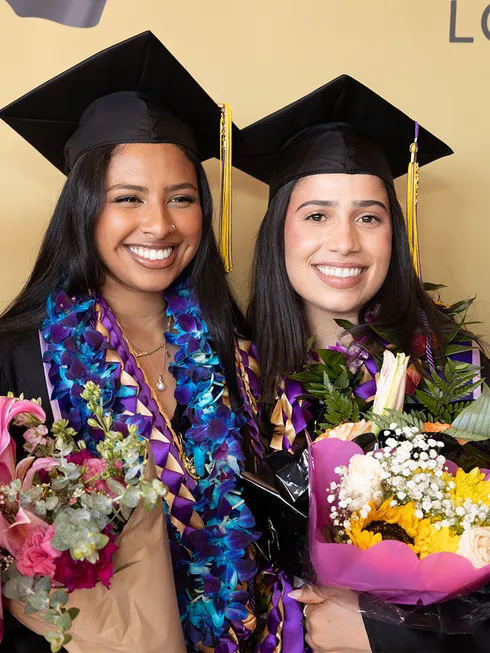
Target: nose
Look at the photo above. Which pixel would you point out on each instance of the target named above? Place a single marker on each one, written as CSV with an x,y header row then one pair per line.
x,y
343,238
157,220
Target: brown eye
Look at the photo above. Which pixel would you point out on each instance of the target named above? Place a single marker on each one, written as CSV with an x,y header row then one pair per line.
x,y
369,219
315,217
183,199
127,199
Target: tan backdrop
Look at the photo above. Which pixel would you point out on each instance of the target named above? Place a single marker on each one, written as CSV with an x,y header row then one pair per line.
x,y
259,55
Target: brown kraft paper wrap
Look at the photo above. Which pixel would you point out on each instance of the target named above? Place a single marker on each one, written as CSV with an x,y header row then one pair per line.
x,y
139,612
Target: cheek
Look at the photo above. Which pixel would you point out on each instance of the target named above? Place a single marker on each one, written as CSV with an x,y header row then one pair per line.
x,y
299,245
111,229
380,250
190,226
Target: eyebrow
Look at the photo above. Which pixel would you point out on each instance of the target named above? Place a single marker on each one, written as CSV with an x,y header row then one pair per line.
x,y
362,204
143,189
327,203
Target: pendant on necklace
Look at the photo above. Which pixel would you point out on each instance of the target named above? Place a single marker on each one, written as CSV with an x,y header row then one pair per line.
x,y
160,385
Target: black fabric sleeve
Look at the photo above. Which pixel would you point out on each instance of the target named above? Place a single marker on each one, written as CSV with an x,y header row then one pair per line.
x,y
21,371
388,638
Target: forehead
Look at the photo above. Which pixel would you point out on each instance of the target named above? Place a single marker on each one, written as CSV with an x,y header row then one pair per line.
x,y
341,187
151,160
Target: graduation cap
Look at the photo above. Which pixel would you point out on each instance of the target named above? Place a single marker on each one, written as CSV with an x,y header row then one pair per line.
x,y
133,92
342,127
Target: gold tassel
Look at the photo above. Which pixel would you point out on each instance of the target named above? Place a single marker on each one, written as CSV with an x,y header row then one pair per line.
x,y
412,196
225,245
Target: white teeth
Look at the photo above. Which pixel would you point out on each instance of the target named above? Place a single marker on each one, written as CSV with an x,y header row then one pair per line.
x,y
341,273
152,254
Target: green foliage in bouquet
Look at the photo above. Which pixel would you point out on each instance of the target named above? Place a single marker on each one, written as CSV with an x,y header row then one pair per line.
x,y
441,395
330,380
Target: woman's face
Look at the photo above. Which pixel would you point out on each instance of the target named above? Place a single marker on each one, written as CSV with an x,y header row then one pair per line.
x,y
151,225
338,241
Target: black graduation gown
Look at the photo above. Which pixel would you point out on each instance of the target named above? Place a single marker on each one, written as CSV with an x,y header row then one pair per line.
x,y
22,370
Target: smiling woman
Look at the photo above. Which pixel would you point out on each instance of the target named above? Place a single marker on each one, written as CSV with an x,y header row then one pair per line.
x,y
129,291
334,287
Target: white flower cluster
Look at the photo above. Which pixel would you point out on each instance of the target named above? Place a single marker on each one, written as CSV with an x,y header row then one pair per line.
x,y
411,469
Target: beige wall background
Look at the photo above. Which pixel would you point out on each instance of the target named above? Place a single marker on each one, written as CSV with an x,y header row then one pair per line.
x,y
259,55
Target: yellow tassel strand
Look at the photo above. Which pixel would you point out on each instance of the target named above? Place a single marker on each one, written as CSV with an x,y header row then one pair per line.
x,y
412,196
225,245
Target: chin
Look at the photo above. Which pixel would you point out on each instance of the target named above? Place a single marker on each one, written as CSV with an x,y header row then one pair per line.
x,y
157,285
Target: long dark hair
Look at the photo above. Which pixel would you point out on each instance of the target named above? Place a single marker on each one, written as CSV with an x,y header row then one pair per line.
x,y
68,255
277,317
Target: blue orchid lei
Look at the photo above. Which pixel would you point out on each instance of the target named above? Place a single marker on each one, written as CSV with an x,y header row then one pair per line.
x,y
212,565
214,441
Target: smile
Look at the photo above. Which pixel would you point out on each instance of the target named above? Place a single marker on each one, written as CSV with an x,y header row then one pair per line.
x,y
153,258
150,253
341,273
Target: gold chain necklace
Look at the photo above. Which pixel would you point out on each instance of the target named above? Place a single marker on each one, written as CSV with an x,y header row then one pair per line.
x,y
187,461
159,385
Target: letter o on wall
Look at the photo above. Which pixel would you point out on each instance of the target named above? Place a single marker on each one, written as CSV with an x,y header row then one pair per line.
x,y
484,22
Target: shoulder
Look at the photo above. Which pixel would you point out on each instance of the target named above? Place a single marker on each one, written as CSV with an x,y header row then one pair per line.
x,y
21,366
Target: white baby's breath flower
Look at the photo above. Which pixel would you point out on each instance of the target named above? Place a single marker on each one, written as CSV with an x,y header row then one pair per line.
x,y
362,481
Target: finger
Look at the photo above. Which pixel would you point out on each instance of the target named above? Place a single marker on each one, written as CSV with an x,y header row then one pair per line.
x,y
306,595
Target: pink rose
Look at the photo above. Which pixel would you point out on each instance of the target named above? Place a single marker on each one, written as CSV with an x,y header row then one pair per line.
x,y
37,556
81,574
95,467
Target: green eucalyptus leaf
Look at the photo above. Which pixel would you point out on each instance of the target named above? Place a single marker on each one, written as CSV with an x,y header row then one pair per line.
x,y
56,639
64,622
115,486
43,584
19,588
131,497
126,512
73,612
58,543
40,508
473,423
52,502
50,616
59,484
60,597
39,600
131,473
30,609
102,503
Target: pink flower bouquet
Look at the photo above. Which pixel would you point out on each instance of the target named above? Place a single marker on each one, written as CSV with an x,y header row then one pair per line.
x,y
403,545
80,543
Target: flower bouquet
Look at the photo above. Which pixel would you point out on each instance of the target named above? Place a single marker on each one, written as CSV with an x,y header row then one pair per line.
x,y
404,516
85,553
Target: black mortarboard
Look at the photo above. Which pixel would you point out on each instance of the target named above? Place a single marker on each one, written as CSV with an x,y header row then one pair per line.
x,y
133,92
342,127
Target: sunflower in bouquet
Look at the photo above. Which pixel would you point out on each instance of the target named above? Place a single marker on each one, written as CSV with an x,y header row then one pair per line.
x,y
400,504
